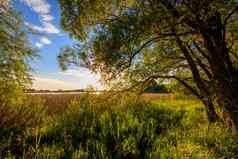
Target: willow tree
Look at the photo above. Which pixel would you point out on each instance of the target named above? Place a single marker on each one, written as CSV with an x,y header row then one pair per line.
x,y
15,53
116,35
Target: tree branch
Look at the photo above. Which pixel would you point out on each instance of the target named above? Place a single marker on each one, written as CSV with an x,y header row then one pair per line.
x,y
156,76
196,75
226,21
229,15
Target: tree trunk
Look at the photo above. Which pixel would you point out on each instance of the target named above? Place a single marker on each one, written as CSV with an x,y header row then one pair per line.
x,y
225,115
222,67
210,110
206,97
229,94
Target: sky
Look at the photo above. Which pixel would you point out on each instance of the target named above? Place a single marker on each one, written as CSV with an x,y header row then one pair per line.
x,y
43,16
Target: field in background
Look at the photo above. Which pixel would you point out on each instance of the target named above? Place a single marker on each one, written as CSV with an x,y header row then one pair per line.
x,y
57,102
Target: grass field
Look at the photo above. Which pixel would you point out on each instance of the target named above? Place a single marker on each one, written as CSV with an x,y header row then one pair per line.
x,y
119,126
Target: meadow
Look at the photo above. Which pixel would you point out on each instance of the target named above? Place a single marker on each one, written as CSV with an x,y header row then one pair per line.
x,y
106,126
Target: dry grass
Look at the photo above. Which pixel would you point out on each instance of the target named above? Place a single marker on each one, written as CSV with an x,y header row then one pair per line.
x,y
158,96
55,103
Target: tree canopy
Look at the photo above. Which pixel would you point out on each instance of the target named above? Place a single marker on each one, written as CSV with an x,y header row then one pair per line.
x,y
193,42
15,53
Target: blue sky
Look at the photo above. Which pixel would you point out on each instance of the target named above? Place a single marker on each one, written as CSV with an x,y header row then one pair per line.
x,y
43,16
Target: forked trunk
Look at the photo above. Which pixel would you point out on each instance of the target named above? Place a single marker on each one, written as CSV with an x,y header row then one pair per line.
x,y
223,70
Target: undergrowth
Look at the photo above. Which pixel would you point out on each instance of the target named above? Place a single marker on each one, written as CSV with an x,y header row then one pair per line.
x,y
122,126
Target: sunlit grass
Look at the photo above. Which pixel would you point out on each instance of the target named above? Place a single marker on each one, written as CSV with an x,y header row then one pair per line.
x,y
123,126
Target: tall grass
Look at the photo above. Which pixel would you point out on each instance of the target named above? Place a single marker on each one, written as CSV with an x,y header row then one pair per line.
x,y
123,126
15,121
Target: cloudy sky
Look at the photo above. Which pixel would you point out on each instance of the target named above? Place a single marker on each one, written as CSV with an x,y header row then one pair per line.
x,y
44,17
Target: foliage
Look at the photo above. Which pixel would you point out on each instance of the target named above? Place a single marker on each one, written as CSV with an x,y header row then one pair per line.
x,y
137,39
135,42
15,53
16,114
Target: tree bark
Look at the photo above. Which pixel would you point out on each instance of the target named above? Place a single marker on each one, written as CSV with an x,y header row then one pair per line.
x,y
210,110
225,115
205,94
224,72
229,94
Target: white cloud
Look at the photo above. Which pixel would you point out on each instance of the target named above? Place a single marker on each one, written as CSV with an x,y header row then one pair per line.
x,y
51,84
50,28
39,6
39,45
44,40
46,17
42,8
83,76
82,73
69,80
45,28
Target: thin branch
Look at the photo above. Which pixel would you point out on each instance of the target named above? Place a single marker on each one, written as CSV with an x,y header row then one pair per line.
x,y
182,81
201,64
143,46
176,34
226,21
230,14
195,72
201,51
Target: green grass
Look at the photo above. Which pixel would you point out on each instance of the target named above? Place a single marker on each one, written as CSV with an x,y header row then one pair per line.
x,y
123,126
